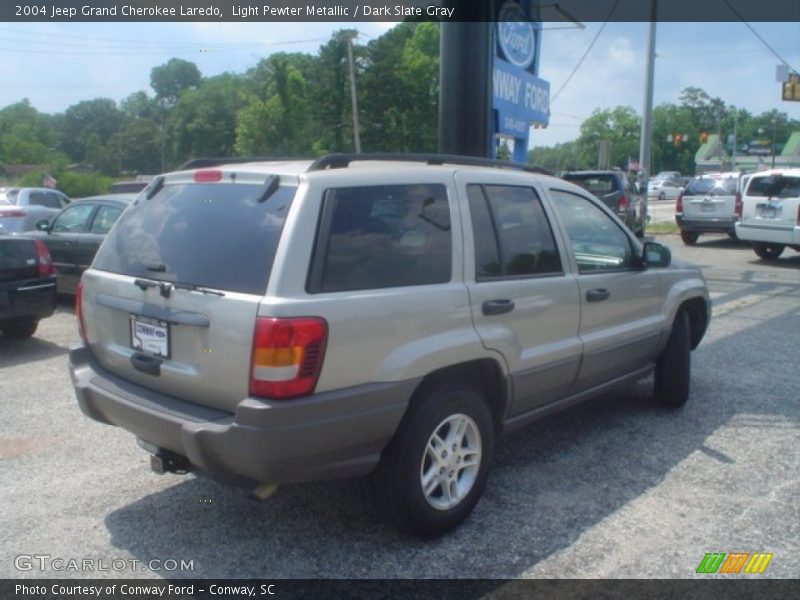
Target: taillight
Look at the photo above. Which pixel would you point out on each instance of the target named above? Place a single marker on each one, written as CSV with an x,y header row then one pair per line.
x,y
679,203
798,215
44,264
207,175
622,204
12,213
287,356
79,310
737,206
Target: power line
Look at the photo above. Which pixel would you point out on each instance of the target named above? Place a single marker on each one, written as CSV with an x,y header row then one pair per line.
x,y
755,33
580,62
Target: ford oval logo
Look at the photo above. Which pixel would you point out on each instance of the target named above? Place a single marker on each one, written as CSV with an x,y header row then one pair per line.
x,y
516,35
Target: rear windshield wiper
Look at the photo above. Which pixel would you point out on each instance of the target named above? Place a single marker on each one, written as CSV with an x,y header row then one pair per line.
x,y
197,288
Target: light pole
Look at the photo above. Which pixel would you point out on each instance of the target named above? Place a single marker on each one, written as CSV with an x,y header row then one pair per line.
x,y
774,125
353,100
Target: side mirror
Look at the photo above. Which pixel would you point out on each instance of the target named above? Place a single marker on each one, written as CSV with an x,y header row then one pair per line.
x,y
43,225
656,255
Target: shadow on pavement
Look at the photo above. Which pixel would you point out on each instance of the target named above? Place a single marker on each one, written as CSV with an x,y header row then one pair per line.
x,y
550,484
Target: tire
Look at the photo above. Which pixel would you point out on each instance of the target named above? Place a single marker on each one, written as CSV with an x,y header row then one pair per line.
x,y
689,237
768,251
456,478
733,236
21,330
673,367
662,196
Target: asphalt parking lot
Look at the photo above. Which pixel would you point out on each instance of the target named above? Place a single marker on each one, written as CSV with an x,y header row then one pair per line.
x,y
611,489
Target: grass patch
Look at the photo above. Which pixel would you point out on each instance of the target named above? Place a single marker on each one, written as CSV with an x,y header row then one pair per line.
x,y
662,228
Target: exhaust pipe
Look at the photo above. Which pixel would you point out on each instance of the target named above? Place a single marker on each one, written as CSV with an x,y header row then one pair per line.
x,y
263,491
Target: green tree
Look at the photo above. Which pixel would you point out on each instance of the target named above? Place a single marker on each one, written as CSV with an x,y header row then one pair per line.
x,y
620,125
135,149
87,126
172,78
277,120
203,122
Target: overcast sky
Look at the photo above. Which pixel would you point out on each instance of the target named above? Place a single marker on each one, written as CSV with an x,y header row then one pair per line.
x,y
55,65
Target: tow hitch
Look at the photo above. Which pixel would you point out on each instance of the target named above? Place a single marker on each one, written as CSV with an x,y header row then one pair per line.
x,y
163,461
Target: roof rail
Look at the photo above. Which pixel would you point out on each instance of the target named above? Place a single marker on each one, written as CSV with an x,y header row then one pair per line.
x,y
341,161
204,163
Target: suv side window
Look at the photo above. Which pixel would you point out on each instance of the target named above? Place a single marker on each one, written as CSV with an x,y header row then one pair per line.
x,y
511,231
598,242
73,219
46,199
382,236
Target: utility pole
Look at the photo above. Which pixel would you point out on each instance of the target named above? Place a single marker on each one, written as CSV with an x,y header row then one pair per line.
x,y
647,117
735,125
774,125
354,101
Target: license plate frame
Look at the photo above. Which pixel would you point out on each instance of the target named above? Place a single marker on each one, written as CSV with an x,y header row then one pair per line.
x,y
150,335
768,212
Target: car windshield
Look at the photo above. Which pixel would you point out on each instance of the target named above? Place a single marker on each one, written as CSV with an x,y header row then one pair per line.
x,y
11,196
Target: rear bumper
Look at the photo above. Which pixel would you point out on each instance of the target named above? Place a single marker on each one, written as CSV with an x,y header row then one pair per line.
x,y
710,225
32,299
327,435
754,232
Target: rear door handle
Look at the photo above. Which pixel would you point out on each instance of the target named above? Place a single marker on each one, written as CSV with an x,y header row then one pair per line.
x,y
497,307
597,295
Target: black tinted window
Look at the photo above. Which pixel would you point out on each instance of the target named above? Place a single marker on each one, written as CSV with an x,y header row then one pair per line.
x,y
213,235
512,234
599,185
383,236
46,199
711,187
778,186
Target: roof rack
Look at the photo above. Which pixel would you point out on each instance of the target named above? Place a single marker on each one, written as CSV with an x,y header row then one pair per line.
x,y
342,161
204,163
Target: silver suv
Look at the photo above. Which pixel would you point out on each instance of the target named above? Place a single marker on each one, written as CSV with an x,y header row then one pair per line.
x,y
276,322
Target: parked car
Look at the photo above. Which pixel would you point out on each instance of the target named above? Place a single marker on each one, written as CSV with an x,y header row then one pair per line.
x,y
128,187
27,284
76,233
668,175
710,203
617,193
771,212
664,189
357,313
25,206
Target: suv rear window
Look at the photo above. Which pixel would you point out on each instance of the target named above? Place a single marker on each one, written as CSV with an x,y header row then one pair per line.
x,y
172,236
708,186
778,186
599,185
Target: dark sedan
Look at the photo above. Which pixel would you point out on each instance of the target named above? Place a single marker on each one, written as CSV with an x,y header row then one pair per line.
x,y
74,235
27,284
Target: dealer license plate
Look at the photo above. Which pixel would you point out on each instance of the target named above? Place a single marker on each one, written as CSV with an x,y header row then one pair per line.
x,y
150,335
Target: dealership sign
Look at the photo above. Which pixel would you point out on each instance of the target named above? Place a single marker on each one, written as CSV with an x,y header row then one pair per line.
x,y
519,97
